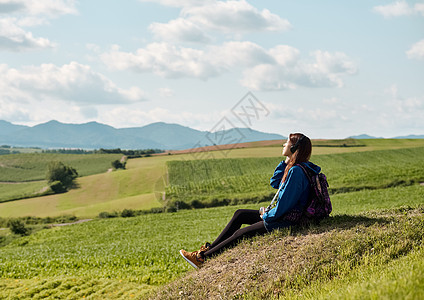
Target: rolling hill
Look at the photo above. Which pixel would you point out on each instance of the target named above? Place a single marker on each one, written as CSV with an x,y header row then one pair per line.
x,y
93,135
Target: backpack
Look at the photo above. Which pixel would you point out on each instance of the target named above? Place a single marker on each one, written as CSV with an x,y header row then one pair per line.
x,y
319,204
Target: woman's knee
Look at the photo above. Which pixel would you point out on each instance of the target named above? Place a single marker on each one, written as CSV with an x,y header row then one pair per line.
x,y
238,212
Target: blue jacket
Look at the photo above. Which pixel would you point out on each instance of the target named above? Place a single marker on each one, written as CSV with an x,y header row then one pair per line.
x,y
293,194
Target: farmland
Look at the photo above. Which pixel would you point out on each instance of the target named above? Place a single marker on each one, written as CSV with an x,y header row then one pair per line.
x,y
23,175
33,166
371,246
142,185
247,178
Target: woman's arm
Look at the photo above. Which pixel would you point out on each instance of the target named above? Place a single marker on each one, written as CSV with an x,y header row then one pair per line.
x,y
278,175
290,194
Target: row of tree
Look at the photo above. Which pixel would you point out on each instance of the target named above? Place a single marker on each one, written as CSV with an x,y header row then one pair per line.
x,y
130,153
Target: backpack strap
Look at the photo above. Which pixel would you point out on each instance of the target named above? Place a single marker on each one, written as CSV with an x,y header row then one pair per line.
x,y
306,172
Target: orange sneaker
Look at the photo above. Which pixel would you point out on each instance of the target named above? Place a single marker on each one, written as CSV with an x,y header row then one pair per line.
x,y
195,259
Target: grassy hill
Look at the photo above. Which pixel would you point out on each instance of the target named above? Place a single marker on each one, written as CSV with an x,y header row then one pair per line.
x,y
198,183
23,175
142,185
117,258
371,246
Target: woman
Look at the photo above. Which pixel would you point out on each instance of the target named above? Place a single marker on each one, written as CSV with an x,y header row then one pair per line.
x,y
291,199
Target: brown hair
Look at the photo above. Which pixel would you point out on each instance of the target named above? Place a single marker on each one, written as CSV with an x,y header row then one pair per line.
x,y
302,154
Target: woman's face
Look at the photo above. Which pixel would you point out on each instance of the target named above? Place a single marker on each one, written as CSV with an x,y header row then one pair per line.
x,y
286,149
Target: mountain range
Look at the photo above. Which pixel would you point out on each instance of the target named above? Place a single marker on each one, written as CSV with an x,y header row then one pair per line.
x,y
93,135
366,136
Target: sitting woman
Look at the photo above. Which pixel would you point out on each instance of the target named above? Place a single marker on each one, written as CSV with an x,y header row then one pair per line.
x,y
291,198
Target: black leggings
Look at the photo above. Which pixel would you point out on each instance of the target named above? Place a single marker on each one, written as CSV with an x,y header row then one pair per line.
x,y
233,232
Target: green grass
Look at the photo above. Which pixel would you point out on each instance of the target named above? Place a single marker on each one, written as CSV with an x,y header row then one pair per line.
x,y
368,200
148,178
133,255
402,278
33,166
371,247
23,175
295,264
248,178
13,191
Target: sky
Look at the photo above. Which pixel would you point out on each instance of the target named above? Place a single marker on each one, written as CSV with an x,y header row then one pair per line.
x,y
328,69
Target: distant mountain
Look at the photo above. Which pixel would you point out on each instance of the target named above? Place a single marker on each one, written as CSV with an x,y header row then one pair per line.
x,y
93,135
411,136
9,127
366,136
363,137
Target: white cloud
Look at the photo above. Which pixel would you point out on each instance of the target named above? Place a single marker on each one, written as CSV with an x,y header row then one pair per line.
x,y
398,9
163,59
180,30
198,20
233,16
336,63
416,51
13,111
24,13
50,8
419,8
326,70
285,55
278,68
172,61
238,54
73,82
179,3
12,37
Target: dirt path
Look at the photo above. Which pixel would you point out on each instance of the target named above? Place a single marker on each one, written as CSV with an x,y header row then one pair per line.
x,y
64,224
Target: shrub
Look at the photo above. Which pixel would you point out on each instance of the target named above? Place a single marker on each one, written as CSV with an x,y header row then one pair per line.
x,y
18,227
106,215
57,173
126,213
57,187
116,164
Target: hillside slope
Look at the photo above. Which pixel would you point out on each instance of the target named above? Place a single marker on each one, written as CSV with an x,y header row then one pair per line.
x,y
318,262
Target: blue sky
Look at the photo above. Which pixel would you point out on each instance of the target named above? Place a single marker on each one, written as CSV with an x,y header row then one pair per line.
x,y
329,69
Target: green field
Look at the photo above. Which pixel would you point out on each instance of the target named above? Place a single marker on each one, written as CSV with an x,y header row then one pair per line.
x,y
216,180
33,166
142,185
117,258
370,248
23,175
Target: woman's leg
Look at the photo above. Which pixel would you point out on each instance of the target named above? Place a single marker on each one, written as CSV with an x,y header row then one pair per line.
x,y
248,231
232,232
240,217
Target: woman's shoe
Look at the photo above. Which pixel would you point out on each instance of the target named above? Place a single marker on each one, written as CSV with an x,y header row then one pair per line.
x,y
196,258
193,258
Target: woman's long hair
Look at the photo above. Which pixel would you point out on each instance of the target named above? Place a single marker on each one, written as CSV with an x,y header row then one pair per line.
x,y
302,154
